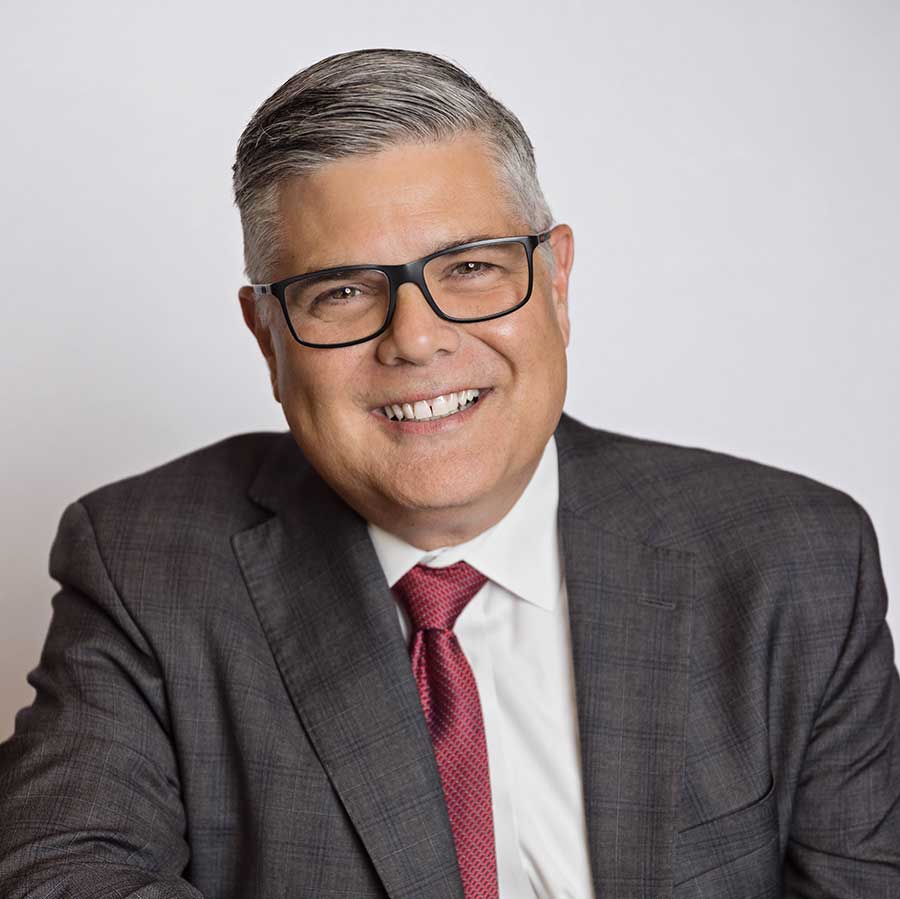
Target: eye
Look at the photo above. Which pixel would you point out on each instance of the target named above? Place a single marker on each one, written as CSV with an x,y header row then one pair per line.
x,y
347,292
470,267
338,295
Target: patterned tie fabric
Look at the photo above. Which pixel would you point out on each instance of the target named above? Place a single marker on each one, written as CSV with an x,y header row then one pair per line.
x,y
434,598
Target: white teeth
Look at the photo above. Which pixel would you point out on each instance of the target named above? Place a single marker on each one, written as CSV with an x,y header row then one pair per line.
x,y
438,407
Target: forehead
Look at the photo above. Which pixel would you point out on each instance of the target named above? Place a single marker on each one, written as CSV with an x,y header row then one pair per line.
x,y
394,206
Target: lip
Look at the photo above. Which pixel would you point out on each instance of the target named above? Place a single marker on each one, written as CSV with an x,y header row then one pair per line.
x,y
433,425
427,396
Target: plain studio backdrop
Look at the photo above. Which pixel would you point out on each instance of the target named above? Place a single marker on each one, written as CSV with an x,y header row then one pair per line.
x,y
730,171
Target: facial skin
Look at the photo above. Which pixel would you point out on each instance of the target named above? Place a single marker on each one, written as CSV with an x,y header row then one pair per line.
x,y
430,489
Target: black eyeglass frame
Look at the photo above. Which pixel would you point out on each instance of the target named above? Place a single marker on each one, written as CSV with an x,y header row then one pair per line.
x,y
410,273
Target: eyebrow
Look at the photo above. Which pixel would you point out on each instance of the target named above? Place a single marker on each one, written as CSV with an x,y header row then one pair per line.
x,y
459,241
439,247
333,274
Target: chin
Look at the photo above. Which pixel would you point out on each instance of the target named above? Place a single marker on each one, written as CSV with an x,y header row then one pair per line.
x,y
461,486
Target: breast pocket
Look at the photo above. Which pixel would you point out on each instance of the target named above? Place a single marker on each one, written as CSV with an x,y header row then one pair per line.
x,y
736,854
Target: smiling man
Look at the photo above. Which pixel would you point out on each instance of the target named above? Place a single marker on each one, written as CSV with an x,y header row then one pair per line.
x,y
440,639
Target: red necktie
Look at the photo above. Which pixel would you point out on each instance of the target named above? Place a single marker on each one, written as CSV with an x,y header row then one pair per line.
x,y
434,598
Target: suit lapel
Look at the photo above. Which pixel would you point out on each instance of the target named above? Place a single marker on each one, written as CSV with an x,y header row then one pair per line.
x,y
630,609
327,612
323,601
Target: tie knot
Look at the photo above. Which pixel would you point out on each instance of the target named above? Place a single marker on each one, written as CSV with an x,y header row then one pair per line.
x,y
434,597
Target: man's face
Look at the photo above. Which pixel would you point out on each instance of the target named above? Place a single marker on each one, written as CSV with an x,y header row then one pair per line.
x,y
446,480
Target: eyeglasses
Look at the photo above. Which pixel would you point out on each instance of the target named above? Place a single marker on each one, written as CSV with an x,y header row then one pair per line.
x,y
472,282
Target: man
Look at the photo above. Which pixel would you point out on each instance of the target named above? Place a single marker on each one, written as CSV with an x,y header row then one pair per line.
x,y
441,639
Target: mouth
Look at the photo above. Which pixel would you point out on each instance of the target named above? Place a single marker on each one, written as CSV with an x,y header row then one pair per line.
x,y
427,414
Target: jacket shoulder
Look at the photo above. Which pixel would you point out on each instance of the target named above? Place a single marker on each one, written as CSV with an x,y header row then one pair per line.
x,y
695,498
204,488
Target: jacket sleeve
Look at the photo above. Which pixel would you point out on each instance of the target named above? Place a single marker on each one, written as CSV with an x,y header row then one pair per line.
x,y
89,786
844,839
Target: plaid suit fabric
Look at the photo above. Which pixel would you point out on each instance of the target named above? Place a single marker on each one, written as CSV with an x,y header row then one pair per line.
x,y
739,709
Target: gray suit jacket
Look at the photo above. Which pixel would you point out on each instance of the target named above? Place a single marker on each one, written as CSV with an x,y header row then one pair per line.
x,y
225,706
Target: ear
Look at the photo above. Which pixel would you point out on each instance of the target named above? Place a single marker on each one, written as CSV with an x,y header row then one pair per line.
x,y
562,244
262,332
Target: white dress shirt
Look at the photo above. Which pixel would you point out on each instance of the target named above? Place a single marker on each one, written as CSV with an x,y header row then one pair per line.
x,y
515,635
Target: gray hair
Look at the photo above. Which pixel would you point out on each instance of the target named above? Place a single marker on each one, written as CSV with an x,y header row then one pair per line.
x,y
363,102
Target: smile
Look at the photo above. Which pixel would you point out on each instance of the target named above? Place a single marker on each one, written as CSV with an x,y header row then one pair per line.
x,y
442,406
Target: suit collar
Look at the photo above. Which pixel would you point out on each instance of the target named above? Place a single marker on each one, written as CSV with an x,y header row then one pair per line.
x,y
324,603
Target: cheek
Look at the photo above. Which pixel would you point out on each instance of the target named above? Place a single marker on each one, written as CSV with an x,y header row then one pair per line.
x,y
321,418
542,368
320,394
535,343
297,391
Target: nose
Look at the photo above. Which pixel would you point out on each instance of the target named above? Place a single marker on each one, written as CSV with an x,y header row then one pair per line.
x,y
416,333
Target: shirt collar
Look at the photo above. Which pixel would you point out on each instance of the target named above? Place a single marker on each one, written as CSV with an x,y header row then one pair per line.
x,y
521,552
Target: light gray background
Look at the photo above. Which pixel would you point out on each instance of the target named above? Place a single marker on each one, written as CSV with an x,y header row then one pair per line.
x,y
729,168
